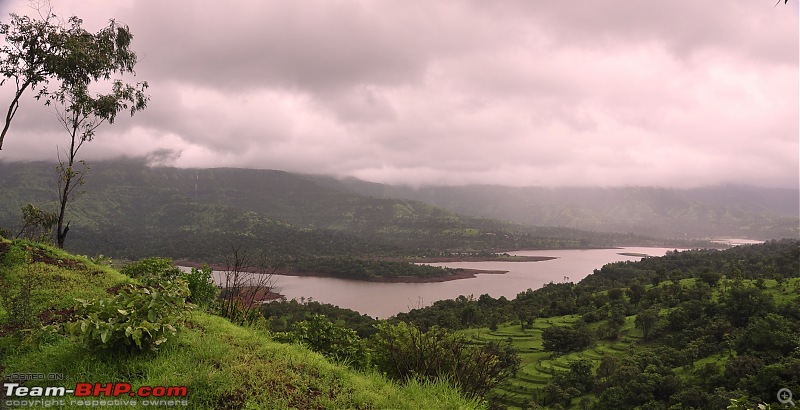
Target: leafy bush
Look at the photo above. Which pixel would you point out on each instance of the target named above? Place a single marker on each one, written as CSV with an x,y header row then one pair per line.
x,y
37,224
334,341
565,339
15,295
136,318
15,255
405,352
202,289
152,270
16,288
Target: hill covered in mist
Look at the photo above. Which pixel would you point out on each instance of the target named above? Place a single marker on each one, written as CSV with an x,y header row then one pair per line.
x,y
130,210
710,212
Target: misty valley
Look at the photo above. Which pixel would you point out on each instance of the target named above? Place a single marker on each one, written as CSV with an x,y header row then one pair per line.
x,y
399,205
373,277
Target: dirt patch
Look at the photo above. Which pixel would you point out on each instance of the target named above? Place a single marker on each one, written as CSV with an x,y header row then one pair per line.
x,y
233,400
39,255
4,248
51,316
256,295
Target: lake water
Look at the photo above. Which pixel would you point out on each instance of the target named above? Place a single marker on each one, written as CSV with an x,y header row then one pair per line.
x,y
386,299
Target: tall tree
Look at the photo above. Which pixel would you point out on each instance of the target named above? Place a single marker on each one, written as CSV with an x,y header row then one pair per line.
x,y
88,61
29,57
647,320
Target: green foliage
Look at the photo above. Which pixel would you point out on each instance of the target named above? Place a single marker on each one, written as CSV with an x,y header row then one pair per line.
x,y
14,255
101,260
710,338
740,303
137,211
240,312
565,339
647,321
15,295
136,318
365,269
152,270
334,341
405,352
37,225
228,366
579,376
202,289
29,63
282,315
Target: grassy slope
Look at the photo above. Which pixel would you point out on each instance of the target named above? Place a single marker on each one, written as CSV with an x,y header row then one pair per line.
x,y
223,365
538,365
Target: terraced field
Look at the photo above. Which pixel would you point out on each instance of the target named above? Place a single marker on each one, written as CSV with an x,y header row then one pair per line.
x,y
538,365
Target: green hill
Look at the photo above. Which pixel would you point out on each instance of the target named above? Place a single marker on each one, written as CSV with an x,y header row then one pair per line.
x,y
130,210
708,212
221,365
692,329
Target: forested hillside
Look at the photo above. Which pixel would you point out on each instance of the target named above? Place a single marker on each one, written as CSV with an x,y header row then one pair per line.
x,y
692,329
130,210
720,211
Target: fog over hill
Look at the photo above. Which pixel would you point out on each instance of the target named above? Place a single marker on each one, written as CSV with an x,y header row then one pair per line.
x,y
675,93
716,211
306,213
132,210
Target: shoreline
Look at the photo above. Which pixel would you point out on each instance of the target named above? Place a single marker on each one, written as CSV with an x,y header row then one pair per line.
x,y
449,259
458,273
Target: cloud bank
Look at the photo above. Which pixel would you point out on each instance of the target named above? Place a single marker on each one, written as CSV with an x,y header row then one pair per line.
x,y
679,93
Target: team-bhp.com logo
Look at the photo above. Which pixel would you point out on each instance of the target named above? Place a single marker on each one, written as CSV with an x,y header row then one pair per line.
x,y
94,395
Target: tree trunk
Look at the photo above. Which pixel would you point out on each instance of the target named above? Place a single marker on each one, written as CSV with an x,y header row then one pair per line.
x,y
12,110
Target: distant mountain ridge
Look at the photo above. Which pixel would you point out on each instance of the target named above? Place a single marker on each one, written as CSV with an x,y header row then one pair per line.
x,y
717,211
131,210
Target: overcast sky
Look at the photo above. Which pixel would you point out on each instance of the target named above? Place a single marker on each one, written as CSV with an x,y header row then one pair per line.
x,y
616,92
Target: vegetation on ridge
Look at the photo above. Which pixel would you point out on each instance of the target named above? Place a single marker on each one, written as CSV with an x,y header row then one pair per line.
x,y
692,329
136,211
221,365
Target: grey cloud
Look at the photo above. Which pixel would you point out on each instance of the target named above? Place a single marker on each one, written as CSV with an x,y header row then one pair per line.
x,y
558,93
278,44
683,26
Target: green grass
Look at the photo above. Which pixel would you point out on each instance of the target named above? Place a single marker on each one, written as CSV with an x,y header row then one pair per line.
x,y
228,366
224,366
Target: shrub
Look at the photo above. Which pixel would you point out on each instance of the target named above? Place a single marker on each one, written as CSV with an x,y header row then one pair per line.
x,y
334,341
16,300
152,271
16,288
136,318
405,352
202,289
565,339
